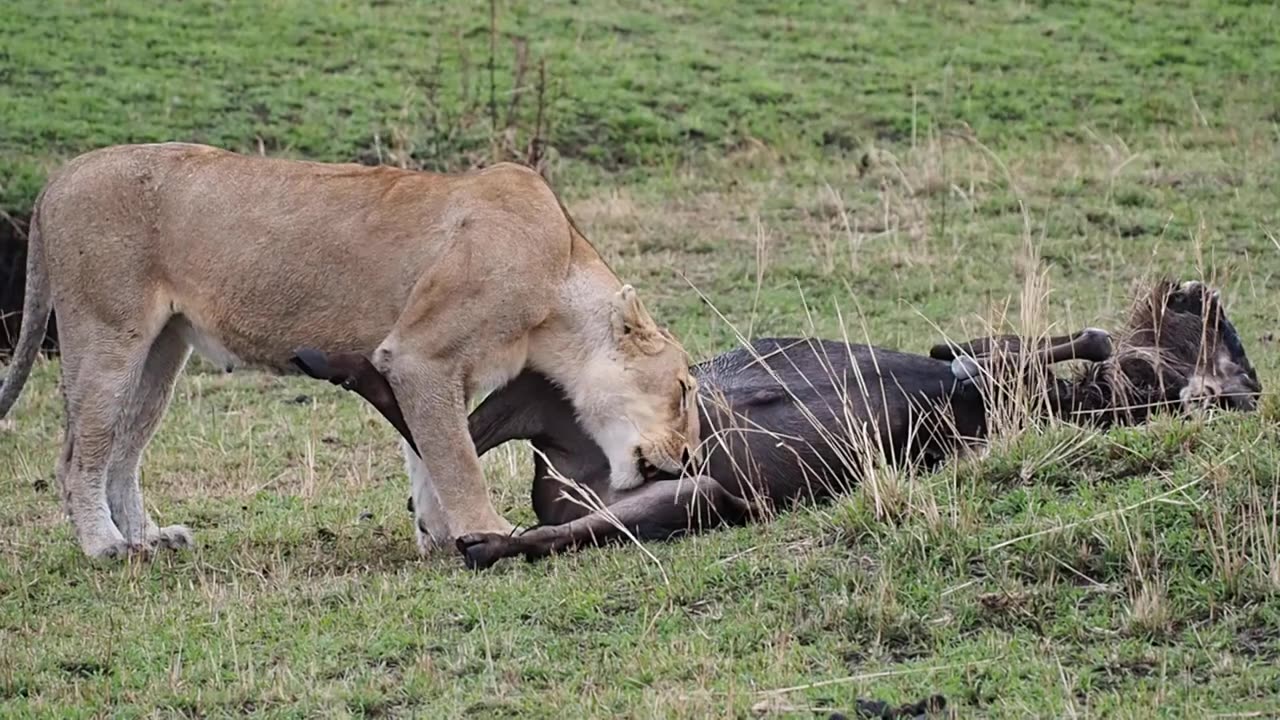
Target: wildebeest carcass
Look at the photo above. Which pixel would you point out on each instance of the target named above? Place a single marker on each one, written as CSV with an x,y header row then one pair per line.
x,y
787,420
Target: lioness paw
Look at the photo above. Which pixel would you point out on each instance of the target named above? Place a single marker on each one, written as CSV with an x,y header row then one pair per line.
x,y
177,537
427,545
107,549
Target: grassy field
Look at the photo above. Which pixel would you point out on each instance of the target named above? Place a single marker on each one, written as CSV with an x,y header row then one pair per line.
x,y
887,171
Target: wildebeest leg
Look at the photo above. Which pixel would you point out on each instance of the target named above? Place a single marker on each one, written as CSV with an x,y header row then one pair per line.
x,y
655,511
355,372
513,412
1090,344
507,414
978,347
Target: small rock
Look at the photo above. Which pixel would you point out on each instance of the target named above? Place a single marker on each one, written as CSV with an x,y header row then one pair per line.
x,y
302,400
366,515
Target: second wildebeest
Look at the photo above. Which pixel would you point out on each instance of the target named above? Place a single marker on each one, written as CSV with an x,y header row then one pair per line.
x,y
796,420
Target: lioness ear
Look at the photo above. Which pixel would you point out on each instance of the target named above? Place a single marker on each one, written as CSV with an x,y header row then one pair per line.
x,y
632,326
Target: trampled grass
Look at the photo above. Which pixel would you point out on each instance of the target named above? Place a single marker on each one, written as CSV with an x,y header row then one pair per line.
x,y
891,172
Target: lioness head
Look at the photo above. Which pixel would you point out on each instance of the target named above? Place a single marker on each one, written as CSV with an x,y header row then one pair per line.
x,y
653,425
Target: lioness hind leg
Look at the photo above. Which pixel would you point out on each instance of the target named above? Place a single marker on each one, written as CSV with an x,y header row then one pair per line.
x,y
69,362
93,394
140,419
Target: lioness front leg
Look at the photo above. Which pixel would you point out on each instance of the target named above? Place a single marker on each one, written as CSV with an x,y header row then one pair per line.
x,y
430,526
353,371
447,469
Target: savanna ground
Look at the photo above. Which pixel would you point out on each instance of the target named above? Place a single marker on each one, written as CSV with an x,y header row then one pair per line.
x,y
885,171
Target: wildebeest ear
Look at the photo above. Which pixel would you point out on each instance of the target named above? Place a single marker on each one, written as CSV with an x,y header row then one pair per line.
x,y
633,329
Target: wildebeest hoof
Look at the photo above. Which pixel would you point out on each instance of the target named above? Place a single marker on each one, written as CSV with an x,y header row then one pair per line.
x,y
1096,344
965,368
311,362
316,364
481,550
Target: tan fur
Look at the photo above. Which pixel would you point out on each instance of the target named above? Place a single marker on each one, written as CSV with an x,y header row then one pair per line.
x,y
451,283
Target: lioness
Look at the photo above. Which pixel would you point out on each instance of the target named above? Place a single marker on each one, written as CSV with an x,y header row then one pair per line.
x,y
452,284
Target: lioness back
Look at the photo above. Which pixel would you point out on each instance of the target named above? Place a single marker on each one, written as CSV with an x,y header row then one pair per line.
x,y
259,256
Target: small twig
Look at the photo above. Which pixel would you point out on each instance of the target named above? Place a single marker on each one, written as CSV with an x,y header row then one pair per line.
x,y
875,675
493,50
517,84
537,143
737,555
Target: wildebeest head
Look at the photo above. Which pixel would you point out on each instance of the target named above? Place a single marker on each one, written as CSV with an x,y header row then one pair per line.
x,y
1180,332
1178,349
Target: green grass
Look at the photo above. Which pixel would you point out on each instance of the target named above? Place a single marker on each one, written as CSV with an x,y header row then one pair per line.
x,y
890,172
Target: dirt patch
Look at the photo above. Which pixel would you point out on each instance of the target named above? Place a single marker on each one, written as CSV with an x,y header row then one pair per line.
x,y
1258,643
1116,674
84,668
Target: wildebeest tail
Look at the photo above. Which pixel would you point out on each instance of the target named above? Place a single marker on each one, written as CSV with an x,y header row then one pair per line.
x,y
36,307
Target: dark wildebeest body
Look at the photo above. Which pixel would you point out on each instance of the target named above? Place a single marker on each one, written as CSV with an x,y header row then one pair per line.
x,y
792,420
786,420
